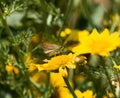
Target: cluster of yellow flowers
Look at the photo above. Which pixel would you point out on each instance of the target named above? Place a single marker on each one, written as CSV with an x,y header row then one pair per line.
x,y
66,32
57,81
93,43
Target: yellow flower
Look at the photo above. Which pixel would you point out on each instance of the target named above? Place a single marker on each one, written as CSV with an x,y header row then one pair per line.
x,y
66,32
62,62
59,61
109,95
57,80
62,91
82,34
79,94
116,66
95,43
62,34
86,94
32,67
11,69
63,72
16,70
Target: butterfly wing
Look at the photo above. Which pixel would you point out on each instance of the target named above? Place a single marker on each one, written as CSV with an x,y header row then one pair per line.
x,y
51,49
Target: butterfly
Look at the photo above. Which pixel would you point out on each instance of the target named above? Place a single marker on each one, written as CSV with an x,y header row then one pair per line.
x,y
51,49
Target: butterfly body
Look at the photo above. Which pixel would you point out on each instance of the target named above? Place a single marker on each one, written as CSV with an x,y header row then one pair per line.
x,y
51,49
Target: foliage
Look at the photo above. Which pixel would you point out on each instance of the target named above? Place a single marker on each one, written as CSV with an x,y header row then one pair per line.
x,y
59,49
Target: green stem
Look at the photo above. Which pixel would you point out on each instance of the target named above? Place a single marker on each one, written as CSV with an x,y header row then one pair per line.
x,y
6,26
47,85
47,81
69,87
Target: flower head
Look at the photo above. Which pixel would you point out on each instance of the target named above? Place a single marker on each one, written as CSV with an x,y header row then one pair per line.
x,y
58,62
116,67
95,43
85,94
66,32
57,80
11,69
61,63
